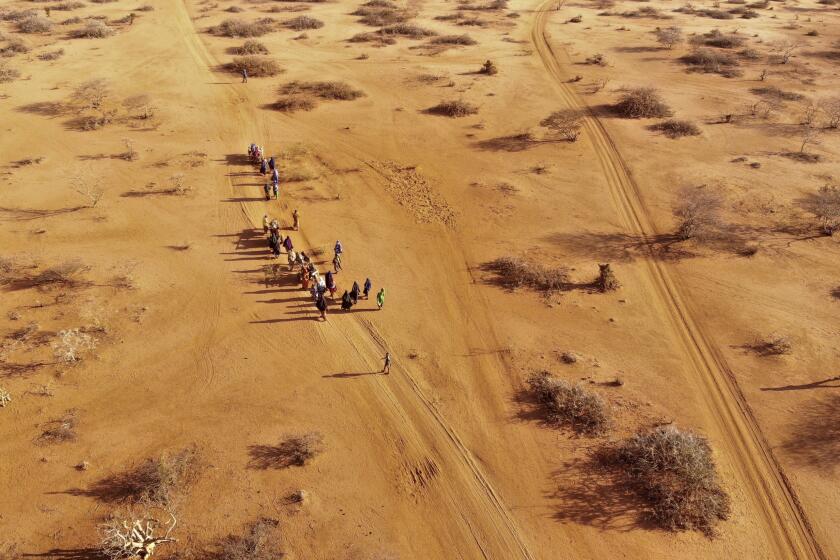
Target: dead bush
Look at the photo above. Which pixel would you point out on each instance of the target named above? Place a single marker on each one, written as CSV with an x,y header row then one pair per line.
x,y
596,59
825,206
251,47
715,38
566,124
302,23
772,345
294,451
569,405
292,103
17,15
157,481
830,108
674,472
676,128
35,24
92,30
406,30
642,103
258,543
777,95
669,36
712,62
606,281
323,90
244,29
67,6
381,17
516,272
257,66
698,213
715,14
71,344
68,274
60,430
14,47
456,108
7,74
454,40
645,12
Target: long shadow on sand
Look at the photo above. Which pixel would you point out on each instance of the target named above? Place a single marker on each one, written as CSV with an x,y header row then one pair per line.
x,y
68,554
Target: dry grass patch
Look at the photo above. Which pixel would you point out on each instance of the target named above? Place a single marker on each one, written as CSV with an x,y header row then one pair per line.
x,y
60,430
516,272
35,24
293,103
302,23
456,108
712,61
14,47
257,66
51,55
716,38
642,103
244,29
567,404
259,542
676,128
7,74
674,472
772,345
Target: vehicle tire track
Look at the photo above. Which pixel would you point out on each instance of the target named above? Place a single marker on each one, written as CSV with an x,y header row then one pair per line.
x,y
787,527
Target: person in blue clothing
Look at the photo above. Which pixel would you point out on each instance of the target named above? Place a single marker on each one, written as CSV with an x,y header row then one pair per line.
x,y
339,248
271,163
263,167
368,287
275,175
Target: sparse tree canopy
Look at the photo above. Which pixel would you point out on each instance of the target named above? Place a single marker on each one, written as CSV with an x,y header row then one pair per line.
x,y
566,124
669,36
698,212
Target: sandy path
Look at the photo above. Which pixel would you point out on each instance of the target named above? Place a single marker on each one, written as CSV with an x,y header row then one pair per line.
x,y
786,525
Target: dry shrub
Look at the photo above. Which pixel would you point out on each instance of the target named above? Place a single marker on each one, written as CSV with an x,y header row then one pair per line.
x,y
8,74
674,471
716,14
516,272
454,40
68,274
776,94
146,8
772,345
606,281
294,451
566,124
569,405
251,47
301,23
292,103
15,46
406,30
51,55
258,543
596,59
456,108
379,16
715,38
257,66
646,12
676,128
669,36
239,28
642,103
17,15
35,24
698,213
92,30
234,9
67,6
830,108
711,61
157,481
70,344
60,430
825,206
323,90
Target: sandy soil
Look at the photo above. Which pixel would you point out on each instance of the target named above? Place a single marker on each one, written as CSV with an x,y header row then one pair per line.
x,y
184,343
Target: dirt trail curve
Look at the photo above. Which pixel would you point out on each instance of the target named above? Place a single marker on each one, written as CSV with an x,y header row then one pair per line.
x,y
472,503
788,531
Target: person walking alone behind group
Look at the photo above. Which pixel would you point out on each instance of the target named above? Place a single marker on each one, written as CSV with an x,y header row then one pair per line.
x,y
386,368
380,298
244,75
296,218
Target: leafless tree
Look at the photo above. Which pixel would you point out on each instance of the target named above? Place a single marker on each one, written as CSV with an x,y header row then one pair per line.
x,y
785,50
89,188
129,539
669,36
831,109
566,124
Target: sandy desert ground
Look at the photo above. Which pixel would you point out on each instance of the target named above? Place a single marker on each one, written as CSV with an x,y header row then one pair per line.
x,y
146,329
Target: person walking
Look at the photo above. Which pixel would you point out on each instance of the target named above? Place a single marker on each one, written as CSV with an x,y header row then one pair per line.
x,y
346,302
276,190
386,368
368,287
380,298
131,17
244,75
267,190
296,218
263,167
354,293
321,305
337,262
275,175
291,258
287,243
330,279
338,248
47,10
265,223
271,163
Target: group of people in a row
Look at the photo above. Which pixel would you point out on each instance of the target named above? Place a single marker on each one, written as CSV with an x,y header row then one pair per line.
x,y
267,165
